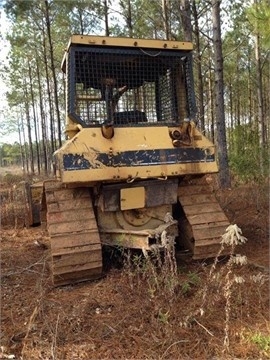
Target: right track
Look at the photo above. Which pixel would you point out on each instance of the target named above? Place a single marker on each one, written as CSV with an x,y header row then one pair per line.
x,y
204,222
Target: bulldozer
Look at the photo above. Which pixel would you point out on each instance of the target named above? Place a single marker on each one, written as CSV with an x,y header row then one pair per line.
x,y
131,171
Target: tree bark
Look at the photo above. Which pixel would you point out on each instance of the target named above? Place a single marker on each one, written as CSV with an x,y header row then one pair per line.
x,y
199,66
166,19
185,14
34,116
259,88
224,174
25,150
211,107
129,20
29,130
52,131
106,18
55,88
20,141
43,122
81,21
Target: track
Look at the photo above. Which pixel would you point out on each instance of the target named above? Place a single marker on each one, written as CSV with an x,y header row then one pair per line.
x,y
204,222
75,243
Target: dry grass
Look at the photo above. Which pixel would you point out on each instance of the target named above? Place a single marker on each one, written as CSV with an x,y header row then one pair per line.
x,y
119,317
140,311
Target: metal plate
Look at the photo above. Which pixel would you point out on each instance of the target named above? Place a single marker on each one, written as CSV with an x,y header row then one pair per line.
x,y
132,198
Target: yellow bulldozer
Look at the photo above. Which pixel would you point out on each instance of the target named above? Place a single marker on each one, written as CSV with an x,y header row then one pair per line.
x,y
130,171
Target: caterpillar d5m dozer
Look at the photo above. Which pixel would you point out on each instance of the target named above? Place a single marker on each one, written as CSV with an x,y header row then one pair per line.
x,y
127,174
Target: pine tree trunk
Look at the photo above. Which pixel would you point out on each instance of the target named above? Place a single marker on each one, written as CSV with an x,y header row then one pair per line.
x,y
231,142
211,107
106,18
55,88
224,174
25,150
238,96
199,66
129,20
34,117
185,14
42,115
166,19
29,130
52,131
21,144
259,88
81,21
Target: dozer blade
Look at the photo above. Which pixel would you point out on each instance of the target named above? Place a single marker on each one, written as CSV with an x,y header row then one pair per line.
x,y
204,222
75,242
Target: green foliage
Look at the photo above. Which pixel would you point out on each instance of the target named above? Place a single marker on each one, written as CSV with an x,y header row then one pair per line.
x,y
259,17
262,341
246,166
163,317
81,16
10,154
192,280
248,161
17,8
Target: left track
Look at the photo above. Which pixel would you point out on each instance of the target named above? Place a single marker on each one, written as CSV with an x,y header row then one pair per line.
x,y
75,242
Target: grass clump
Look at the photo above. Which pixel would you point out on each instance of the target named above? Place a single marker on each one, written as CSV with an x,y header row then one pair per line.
x,y
262,341
154,270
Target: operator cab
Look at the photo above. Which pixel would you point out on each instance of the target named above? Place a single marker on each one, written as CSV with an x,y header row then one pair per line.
x,y
128,83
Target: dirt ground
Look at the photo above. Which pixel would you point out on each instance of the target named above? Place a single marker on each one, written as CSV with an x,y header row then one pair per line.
x,y
138,311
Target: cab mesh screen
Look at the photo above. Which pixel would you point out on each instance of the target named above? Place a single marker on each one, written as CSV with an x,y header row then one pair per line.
x,y
127,87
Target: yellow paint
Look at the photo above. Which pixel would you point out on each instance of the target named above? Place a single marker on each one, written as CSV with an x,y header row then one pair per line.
x,y
132,198
129,138
89,142
143,172
131,42
104,41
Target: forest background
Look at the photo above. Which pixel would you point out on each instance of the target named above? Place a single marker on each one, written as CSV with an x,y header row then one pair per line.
x,y
39,31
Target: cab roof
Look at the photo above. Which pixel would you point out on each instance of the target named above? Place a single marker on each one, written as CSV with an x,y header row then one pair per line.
x,y
109,41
